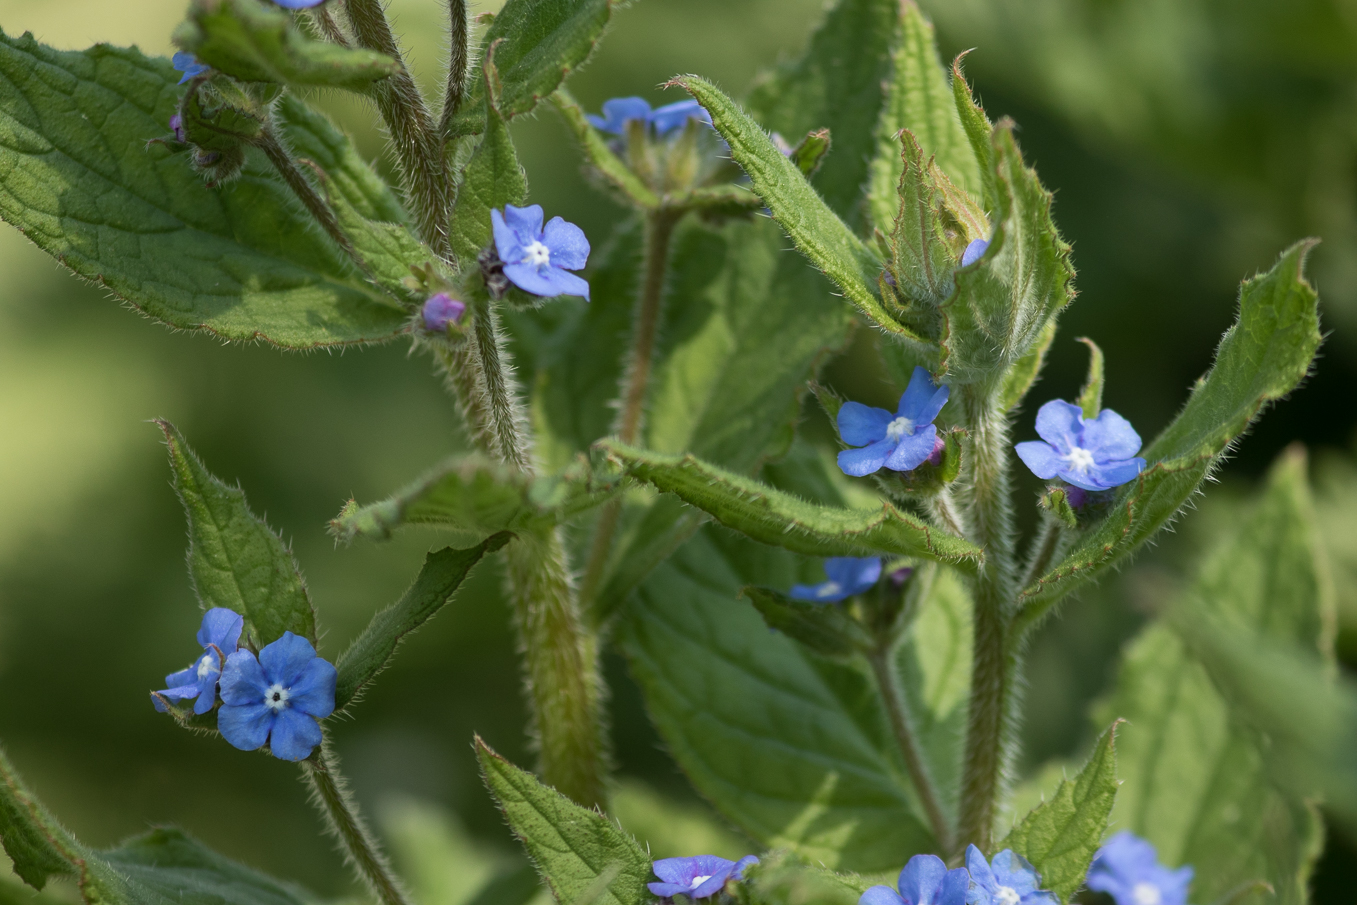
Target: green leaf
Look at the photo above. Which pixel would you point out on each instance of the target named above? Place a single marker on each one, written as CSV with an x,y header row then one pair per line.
x,y
1061,836
236,561
1091,396
493,177
537,43
258,42
783,520
919,98
827,630
813,226
442,574
1260,359
573,847
1197,782
811,151
242,261
979,132
1025,371
785,879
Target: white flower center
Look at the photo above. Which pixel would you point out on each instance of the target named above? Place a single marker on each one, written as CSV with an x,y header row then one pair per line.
x,y
1146,894
1006,895
276,697
828,589
899,427
698,881
1080,459
206,666
537,254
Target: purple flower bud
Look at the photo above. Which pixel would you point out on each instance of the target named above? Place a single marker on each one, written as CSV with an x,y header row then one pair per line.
x,y
899,576
441,310
177,127
974,252
1076,496
935,457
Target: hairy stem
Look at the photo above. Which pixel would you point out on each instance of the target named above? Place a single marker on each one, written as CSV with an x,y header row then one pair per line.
x,y
659,229
909,747
945,512
419,151
991,522
458,57
507,423
1044,551
282,161
462,371
330,793
325,21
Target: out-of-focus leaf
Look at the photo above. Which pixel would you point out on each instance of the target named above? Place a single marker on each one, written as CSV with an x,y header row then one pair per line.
x,y
669,827
823,628
1091,396
786,879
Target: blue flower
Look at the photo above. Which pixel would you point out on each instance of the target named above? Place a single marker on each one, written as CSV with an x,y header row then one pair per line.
x,y
924,881
1128,869
298,4
664,120
1007,880
188,64
974,252
276,698
536,260
218,635
900,442
848,575
697,877
1095,455
441,310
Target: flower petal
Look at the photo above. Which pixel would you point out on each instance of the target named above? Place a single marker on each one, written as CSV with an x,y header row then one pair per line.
x,y
974,252
865,461
245,726
314,692
1016,872
298,4
180,692
525,221
242,681
1043,461
667,890
862,424
922,399
221,627
187,676
618,110
676,115
507,243
981,874
855,573
1060,424
284,660
676,870
954,888
548,282
568,245
920,879
294,735
737,872
1105,476
824,592
913,449
712,885
881,895
1110,437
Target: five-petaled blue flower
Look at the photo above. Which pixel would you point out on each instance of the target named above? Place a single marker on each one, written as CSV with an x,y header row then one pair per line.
x,y
440,310
188,64
697,877
664,120
538,260
277,698
1128,869
848,575
220,629
974,252
1007,880
924,881
900,442
1095,455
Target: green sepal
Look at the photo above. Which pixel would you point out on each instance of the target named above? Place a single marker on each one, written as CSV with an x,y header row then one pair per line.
x,y
926,241
823,627
537,44
235,560
437,582
576,850
978,131
830,401
1260,359
1091,396
219,116
1025,371
258,42
810,152
928,479
1057,502
605,162
1061,836
780,519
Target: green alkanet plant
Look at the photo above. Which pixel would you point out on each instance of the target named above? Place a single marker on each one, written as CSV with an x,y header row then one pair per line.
x,y
650,471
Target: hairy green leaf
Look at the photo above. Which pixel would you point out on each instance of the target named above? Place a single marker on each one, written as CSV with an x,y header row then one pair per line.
x,y
827,630
1261,358
236,561
1025,371
575,849
493,178
1061,836
1091,396
371,652
536,45
258,42
783,520
242,261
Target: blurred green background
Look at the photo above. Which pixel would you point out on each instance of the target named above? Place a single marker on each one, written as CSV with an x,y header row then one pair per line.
x,y
1187,141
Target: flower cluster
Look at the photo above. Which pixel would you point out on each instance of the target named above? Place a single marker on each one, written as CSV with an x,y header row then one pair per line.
x,y
899,442
539,259
275,699
663,120
698,877
1096,454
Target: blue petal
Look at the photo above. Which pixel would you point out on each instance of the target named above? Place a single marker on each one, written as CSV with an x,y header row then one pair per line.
x,y
862,424
1043,461
712,886
737,872
1060,424
548,282
865,461
294,735
824,592
881,895
242,681
913,449
246,726
180,692
184,676
1110,436
568,245
507,243
920,879
314,692
1016,872
979,870
221,627
667,890
298,4
617,111
1105,476
922,399
284,660
525,221
1041,898
855,573
974,252
676,115
954,888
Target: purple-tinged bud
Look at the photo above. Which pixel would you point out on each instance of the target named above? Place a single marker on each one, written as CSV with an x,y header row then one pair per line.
x,y
1076,496
973,252
898,577
935,457
177,127
441,310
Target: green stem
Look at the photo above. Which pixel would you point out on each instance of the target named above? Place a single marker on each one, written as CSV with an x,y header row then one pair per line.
x,y
325,20
507,423
330,793
418,150
659,229
880,661
1044,551
458,57
282,161
991,520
